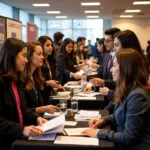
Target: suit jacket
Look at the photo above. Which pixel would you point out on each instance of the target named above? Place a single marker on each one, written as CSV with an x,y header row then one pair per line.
x,y
10,129
65,67
132,122
33,100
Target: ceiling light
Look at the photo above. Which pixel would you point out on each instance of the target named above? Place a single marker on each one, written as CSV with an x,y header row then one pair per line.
x,y
132,11
141,3
126,16
61,17
91,4
92,16
91,11
53,12
41,5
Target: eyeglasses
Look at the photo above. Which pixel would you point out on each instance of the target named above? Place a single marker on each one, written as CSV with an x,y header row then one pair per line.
x,y
107,41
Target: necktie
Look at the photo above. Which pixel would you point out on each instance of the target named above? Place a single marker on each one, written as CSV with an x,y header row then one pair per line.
x,y
110,62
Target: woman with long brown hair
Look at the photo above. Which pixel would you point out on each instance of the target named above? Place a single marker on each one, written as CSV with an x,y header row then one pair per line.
x,y
132,104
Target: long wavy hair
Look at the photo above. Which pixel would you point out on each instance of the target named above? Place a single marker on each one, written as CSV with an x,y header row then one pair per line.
x,y
128,39
8,52
37,80
51,58
132,74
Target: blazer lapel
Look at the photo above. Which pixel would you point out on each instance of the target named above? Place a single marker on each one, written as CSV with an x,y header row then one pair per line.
x,y
105,68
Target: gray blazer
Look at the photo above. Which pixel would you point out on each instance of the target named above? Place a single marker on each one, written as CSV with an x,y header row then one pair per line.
x,y
132,122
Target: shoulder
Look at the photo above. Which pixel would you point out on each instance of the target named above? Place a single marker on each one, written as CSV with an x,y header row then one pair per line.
x,y
138,99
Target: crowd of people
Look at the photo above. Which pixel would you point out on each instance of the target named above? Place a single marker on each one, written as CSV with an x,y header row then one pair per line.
x,y
31,72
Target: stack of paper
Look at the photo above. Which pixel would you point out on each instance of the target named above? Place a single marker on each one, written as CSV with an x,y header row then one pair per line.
x,y
76,140
63,93
55,125
47,115
89,94
74,131
87,115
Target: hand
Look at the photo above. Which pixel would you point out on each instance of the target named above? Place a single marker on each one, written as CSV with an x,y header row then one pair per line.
x,y
94,123
50,108
41,121
93,65
97,82
104,91
54,84
32,131
76,76
87,89
90,132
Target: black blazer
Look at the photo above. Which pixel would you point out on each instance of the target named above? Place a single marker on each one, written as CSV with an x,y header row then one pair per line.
x,y
65,67
10,129
33,100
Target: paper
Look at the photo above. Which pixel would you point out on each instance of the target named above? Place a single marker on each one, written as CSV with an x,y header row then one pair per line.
x,y
63,93
60,97
70,123
89,114
76,140
47,115
75,131
46,137
83,98
73,83
54,124
72,86
80,73
89,94
92,73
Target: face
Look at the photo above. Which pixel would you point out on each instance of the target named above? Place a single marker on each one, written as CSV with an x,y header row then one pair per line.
x,y
75,47
21,60
115,70
83,42
117,45
100,47
109,43
36,59
81,48
69,48
48,47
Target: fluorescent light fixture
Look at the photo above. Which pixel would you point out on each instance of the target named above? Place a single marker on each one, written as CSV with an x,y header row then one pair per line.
x,y
92,16
53,12
61,17
141,3
91,11
41,5
126,16
91,4
132,11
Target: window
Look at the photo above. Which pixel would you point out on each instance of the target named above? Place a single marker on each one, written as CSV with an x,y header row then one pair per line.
x,y
6,10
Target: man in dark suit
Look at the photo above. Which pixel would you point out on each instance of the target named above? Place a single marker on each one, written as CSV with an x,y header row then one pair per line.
x,y
104,74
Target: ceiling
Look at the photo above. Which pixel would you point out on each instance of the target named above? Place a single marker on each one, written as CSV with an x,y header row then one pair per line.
x,y
74,10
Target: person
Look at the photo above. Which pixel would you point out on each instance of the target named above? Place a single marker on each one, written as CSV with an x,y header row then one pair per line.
x,y
89,49
95,50
66,70
132,109
34,82
123,39
49,68
16,120
148,47
58,38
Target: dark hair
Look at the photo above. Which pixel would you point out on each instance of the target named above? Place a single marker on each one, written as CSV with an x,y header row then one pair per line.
x,y
9,50
51,58
132,73
112,32
79,39
38,80
57,36
63,48
97,39
128,39
148,42
101,42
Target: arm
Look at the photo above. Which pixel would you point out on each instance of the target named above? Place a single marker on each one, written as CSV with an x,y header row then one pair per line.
x,y
137,106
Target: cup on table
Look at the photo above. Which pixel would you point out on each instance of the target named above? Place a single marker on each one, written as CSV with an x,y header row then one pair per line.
x,y
63,106
74,105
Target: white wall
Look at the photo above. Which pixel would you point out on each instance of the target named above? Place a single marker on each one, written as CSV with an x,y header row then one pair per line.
x,y
141,27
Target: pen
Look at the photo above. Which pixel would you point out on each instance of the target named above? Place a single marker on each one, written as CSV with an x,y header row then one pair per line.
x,y
64,132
